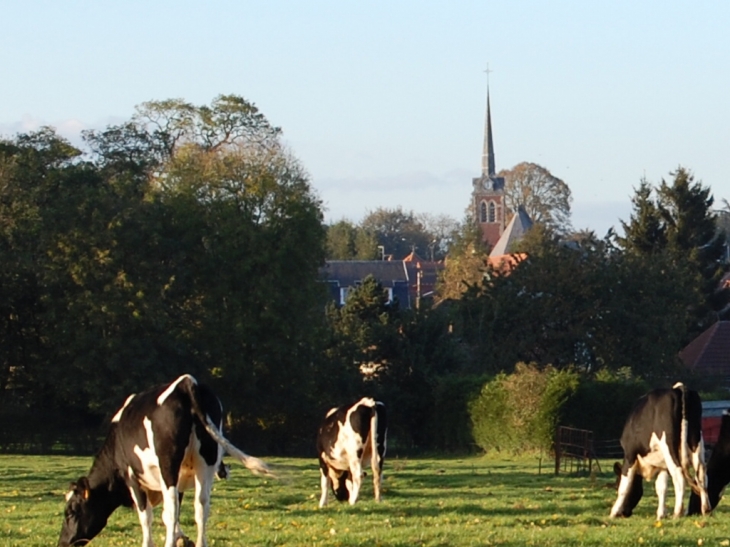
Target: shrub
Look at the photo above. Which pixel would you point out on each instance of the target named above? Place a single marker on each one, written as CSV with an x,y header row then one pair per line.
x,y
521,411
614,390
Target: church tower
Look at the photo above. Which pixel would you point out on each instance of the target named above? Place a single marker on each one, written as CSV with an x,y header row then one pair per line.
x,y
488,190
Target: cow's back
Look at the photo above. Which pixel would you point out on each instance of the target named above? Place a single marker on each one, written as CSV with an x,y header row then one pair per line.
x,y
164,417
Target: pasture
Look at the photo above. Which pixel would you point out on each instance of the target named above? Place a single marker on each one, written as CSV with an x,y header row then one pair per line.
x,y
426,502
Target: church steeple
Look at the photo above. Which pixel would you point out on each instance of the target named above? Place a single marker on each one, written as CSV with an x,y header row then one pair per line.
x,y
488,152
488,193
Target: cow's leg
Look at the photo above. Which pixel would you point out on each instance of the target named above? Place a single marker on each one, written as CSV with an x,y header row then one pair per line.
x,y
678,481
624,486
376,464
178,529
144,512
698,462
677,477
203,483
354,486
325,485
170,514
660,486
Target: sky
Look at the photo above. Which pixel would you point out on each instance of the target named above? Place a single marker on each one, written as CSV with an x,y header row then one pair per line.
x,y
383,102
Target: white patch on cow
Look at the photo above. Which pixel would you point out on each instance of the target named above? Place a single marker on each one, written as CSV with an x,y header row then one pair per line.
x,y
150,477
654,461
658,461
331,411
165,394
118,415
144,515
69,495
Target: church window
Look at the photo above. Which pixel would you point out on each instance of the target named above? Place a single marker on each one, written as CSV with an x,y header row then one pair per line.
x,y
483,212
492,212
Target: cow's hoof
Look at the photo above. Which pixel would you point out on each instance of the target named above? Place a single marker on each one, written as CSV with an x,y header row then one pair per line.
x,y
184,541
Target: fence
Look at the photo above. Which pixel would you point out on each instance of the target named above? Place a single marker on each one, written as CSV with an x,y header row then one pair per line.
x,y
577,451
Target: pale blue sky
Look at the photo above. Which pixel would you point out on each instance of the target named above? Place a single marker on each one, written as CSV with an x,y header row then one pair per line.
x,y
383,101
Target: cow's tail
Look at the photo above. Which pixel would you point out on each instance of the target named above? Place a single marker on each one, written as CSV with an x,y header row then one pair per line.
x,y
375,457
684,444
255,465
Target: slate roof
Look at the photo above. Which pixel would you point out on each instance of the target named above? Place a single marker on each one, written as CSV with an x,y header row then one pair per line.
x,y
709,353
347,272
518,225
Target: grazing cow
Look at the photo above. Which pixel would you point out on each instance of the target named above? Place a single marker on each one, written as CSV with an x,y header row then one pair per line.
x,y
661,434
160,443
348,437
718,469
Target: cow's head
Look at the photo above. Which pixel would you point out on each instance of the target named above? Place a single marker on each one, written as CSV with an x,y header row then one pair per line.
x,y
341,484
636,490
84,517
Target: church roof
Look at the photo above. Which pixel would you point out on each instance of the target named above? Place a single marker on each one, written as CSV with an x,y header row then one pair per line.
x,y
520,223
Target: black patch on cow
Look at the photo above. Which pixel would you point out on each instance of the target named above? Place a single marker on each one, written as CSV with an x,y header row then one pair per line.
x,y
718,469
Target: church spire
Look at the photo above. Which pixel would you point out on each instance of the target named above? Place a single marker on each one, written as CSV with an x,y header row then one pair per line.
x,y
488,169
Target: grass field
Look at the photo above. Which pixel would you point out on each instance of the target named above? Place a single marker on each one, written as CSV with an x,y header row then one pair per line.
x,y
426,502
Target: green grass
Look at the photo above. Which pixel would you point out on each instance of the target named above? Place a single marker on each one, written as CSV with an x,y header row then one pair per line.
x,y
426,502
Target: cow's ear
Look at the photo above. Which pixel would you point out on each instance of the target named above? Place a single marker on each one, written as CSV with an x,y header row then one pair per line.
x,y
82,487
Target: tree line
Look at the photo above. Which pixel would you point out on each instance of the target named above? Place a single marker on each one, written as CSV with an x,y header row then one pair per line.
x,y
189,240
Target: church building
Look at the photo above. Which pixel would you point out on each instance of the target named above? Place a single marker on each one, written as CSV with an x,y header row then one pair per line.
x,y
488,191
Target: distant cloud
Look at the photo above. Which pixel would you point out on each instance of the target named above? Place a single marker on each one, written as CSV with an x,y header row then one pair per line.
x,y
420,192
69,129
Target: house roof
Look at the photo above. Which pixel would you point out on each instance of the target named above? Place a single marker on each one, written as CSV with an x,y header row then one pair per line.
x,y
709,353
413,257
347,272
518,225
504,264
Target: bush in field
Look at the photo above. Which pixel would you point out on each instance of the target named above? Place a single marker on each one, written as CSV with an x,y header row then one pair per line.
x,y
521,411
450,422
617,390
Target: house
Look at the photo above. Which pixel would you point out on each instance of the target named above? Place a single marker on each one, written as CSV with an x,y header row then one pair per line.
x,y
409,280
708,355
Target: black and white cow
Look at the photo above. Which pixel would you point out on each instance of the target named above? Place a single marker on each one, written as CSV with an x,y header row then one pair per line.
x,y
349,438
160,443
718,469
663,437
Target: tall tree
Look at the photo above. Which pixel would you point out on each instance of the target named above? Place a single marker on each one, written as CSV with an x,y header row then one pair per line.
x,y
346,241
545,197
645,232
680,221
168,250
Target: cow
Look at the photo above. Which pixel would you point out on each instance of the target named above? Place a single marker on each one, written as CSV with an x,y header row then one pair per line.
x,y
349,438
160,443
662,433
718,469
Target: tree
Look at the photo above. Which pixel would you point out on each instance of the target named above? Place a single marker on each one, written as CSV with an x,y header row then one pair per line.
x,y
466,264
191,244
346,241
399,232
442,229
544,197
680,221
583,304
